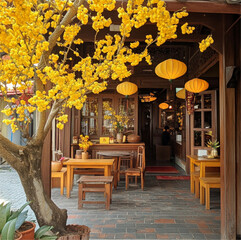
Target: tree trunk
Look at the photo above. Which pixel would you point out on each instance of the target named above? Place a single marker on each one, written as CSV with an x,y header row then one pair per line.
x,y
29,170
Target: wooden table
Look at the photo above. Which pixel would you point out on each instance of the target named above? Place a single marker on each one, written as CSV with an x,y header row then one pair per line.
x,y
202,162
105,164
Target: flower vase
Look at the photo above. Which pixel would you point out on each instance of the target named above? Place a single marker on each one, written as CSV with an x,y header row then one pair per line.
x,y
214,152
85,155
119,137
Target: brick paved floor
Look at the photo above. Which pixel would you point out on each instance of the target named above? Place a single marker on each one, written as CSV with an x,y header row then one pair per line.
x,y
164,210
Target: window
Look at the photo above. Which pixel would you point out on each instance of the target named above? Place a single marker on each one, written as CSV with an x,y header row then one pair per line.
x,y
92,114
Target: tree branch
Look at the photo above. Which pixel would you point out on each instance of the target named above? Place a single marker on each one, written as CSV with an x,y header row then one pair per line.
x,y
9,151
45,58
51,116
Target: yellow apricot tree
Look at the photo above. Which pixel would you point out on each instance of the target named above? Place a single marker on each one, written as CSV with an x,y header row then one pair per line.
x,y
40,38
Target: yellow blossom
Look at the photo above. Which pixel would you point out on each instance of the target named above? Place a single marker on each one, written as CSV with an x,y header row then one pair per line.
x,y
85,143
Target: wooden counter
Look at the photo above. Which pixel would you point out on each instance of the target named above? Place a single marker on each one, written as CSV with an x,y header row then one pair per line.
x,y
109,147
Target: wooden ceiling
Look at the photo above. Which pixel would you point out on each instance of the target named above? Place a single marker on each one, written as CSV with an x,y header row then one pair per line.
x,y
204,15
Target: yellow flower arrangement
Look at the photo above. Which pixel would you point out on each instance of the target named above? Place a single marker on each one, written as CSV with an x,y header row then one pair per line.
x,y
85,143
119,121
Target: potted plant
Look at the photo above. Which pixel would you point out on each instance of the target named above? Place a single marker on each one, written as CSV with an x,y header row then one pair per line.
x,y
10,221
13,225
214,145
85,143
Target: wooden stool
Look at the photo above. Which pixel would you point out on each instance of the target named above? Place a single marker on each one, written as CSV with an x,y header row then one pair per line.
x,y
205,185
94,184
62,176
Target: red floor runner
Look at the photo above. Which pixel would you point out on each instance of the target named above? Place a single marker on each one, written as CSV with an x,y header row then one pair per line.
x,y
173,177
161,169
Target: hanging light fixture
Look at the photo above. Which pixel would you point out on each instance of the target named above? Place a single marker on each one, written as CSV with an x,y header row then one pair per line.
x,y
196,85
127,88
147,97
170,69
163,105
181,93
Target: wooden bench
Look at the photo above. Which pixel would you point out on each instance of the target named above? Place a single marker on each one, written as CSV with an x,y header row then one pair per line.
x,y
62,175
205,185
95,184
196,176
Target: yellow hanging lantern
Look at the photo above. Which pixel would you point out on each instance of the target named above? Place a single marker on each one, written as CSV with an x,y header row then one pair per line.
x,y
170,69
163,105
181,93
127,88
196,85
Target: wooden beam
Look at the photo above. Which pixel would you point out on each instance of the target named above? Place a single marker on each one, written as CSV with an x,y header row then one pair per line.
x,y
87,34
204,7
233,24
197,6
149,82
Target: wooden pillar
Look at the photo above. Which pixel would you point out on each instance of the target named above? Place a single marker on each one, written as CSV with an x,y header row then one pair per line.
x,y
238,127
47,157
230,166
228,144
238,156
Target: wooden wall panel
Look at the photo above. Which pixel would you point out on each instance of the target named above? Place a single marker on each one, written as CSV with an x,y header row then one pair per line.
x,y
63,137
67,134
76,121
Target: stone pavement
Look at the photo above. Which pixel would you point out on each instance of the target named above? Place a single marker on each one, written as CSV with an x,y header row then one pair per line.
x,y
164,210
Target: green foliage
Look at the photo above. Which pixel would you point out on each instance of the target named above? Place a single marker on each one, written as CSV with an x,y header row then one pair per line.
x,y
15,214
4,214
10,221
42,234
8,230
213,144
